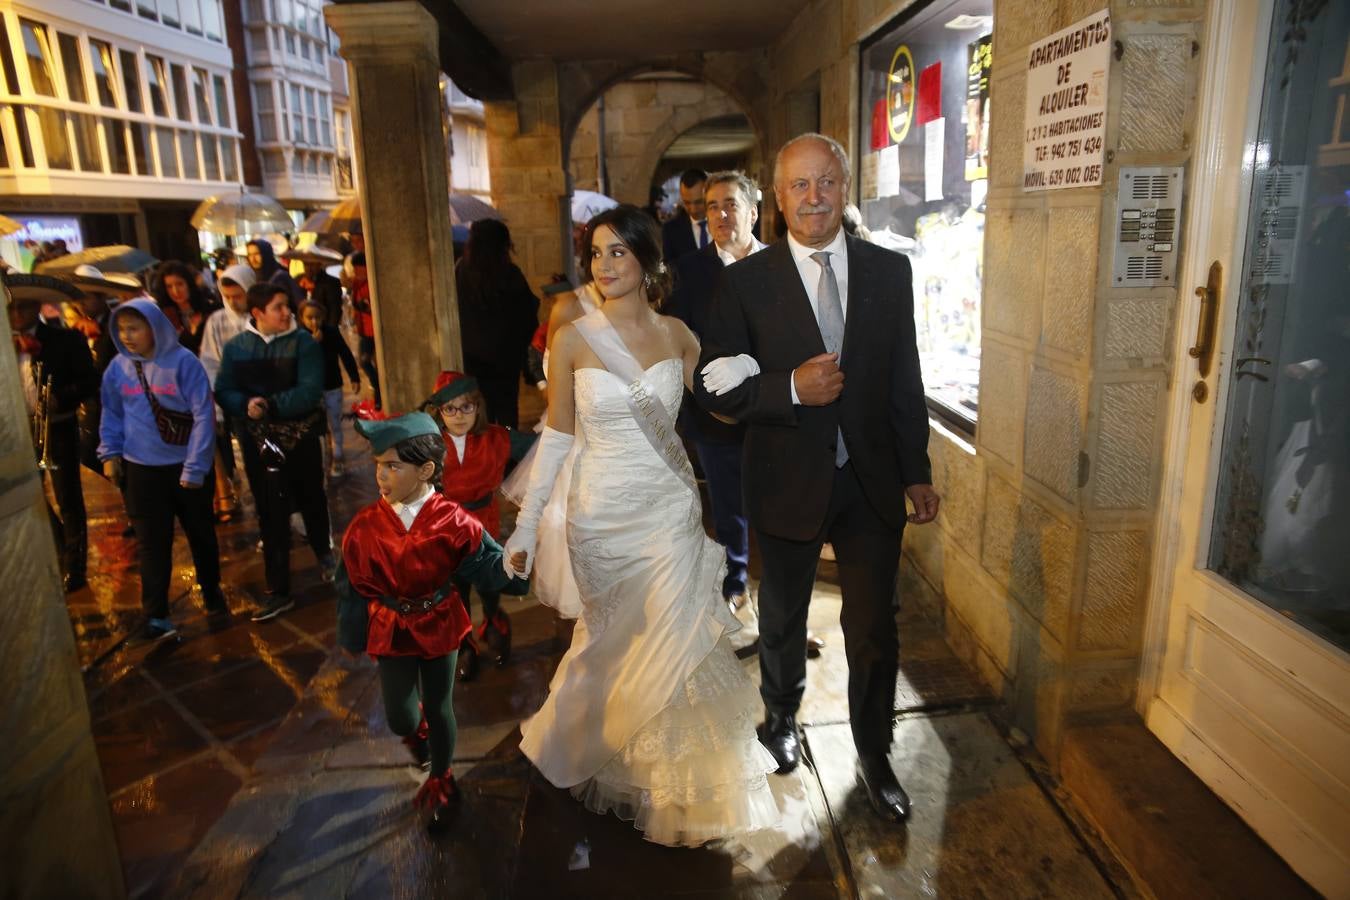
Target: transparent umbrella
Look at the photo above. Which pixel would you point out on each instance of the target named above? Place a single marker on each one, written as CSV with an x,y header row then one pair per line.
x,y
112,258
244,213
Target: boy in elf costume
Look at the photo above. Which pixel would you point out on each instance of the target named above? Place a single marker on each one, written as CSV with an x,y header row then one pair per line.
x,y
476,456
402,557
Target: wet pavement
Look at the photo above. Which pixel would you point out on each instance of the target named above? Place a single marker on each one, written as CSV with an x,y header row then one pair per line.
x,y
253,761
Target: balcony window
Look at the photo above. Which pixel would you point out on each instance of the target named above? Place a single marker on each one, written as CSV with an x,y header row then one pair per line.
x,y
131,81
228,148
25,149
123,5
140,147
115,139
325,126
201,92
192,17
187,149
311,117
297,116
210,158
70,66
87,153
39,57
147,9
211,19
155,81
105,77
168,156
168,12
52,128
262,105
222,102
180,96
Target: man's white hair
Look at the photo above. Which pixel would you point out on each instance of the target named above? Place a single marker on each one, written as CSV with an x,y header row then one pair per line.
x,y
835,147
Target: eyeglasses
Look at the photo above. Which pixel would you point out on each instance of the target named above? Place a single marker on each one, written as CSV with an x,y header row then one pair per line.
x,y
466,409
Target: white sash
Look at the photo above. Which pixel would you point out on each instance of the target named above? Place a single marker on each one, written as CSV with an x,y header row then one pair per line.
x,y
643,401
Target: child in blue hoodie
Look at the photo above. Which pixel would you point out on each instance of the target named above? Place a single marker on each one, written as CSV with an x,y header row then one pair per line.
x,y
159,429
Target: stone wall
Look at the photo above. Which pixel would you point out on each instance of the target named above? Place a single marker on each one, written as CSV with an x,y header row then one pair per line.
x,y
642,119
1041,555
55,824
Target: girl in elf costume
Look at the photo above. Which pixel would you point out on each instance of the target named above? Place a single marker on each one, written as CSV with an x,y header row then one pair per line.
x,y
402,558
476,456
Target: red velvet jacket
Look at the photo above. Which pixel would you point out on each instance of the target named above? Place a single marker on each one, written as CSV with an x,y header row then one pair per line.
x,y
382,559
475,480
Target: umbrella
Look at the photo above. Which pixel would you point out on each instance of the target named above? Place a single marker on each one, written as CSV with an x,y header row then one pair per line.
x,y
466,209
316,254
39,289
586,204
113,258
91,279
240,214
344,218
8,226
318,222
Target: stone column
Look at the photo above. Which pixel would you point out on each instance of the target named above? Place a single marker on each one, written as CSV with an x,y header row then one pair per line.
x,y
55,823
391,51
526,168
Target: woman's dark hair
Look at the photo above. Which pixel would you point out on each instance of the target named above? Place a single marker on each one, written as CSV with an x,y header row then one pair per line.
x,y
487,257
269,265
425,448
197,298
640,234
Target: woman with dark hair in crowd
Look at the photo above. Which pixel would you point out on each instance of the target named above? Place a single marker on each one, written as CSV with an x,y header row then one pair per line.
x,y
181,298
649,714
498,314
263,260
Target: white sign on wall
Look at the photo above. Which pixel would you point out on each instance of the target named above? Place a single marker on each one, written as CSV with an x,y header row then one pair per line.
x,y
1066,106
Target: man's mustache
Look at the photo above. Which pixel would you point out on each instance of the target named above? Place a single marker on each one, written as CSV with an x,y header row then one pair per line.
x,y
807,209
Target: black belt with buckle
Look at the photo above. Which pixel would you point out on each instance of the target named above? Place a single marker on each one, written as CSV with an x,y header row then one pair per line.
x,y
408,605
479,503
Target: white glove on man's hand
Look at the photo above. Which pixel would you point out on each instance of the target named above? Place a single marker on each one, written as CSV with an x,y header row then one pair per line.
x,y
728,373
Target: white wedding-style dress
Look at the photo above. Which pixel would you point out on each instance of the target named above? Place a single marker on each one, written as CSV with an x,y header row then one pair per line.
x,y
649,714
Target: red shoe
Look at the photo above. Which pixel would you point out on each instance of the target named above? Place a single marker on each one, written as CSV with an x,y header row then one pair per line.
x,y
440,795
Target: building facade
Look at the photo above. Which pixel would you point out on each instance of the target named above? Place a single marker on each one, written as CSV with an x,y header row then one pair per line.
x,y
116,119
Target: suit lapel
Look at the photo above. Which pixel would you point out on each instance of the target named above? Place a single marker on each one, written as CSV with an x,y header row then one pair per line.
x,y
858,282
792,300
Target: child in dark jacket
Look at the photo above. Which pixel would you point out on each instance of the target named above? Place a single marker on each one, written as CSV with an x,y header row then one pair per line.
x,y
336,357
271,384
402,559
159,429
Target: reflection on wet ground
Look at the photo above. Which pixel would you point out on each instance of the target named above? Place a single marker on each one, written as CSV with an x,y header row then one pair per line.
x,y
251,760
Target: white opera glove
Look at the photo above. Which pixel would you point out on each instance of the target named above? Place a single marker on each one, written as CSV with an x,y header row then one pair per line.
x,y
728,373
549,455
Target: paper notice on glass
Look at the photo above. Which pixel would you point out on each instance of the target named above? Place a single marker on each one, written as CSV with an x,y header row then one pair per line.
x,y
888,171
934,147
869,176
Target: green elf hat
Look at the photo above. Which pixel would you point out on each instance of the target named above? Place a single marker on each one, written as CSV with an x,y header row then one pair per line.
x,y
450,385
385,433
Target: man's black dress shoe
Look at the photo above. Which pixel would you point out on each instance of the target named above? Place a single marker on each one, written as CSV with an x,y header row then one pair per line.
x,y
887,796
779,735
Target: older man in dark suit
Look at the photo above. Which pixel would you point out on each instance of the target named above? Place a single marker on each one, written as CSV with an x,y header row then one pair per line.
x,y
825,459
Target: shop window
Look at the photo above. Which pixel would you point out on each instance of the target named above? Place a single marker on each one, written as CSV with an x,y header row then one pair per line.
x,y
39,57
115,140
187,150
105,77
922,179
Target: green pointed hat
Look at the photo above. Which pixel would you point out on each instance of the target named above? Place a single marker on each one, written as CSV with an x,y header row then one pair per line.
x,y
385,433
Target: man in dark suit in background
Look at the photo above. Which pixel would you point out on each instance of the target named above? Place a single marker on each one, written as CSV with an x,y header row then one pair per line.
x,y
688,230
825,459
66,364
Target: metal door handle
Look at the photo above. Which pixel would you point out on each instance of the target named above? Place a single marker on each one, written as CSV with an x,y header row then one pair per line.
x,y
1251,359
1203,351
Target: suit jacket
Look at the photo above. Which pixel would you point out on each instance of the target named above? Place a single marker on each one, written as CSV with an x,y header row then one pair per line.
x,y
696,278
677,238
66,361
762,309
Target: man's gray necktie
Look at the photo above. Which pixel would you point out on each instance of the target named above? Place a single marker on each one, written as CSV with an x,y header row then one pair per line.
x,y
830,317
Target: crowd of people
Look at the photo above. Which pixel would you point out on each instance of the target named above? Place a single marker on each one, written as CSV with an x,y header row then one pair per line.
x,y
791,369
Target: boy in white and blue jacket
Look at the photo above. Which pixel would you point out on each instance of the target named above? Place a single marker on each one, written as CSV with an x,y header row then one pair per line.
x,y
168,470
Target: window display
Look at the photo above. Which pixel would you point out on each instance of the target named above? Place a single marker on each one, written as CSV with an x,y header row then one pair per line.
x,y
923,176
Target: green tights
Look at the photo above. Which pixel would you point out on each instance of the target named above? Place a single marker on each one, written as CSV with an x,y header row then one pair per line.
x,y
399,678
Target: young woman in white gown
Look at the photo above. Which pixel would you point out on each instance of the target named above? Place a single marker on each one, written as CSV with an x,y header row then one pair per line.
x,y
649,714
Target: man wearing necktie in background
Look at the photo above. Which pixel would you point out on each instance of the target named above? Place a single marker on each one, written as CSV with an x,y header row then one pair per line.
x,y
811,344
688,230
